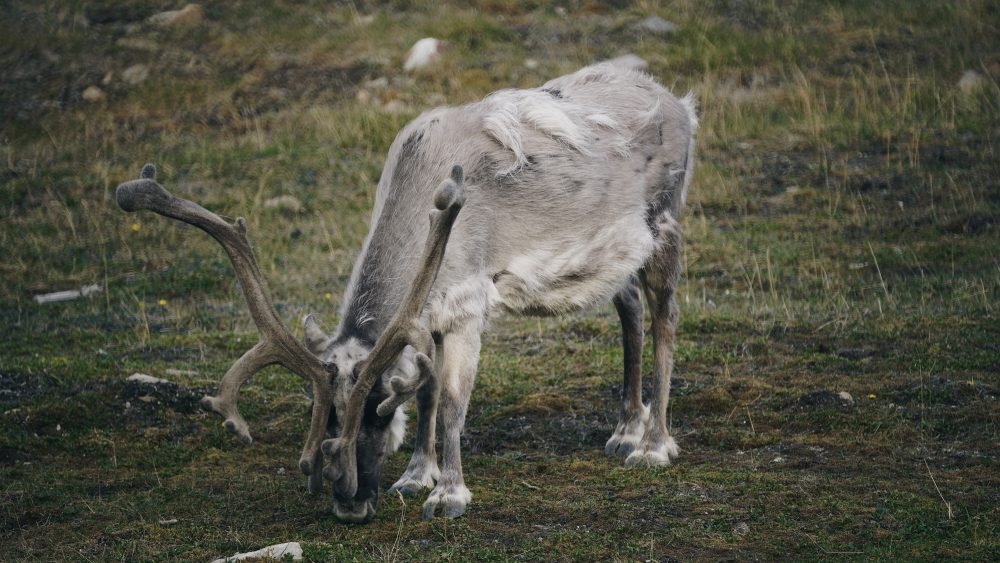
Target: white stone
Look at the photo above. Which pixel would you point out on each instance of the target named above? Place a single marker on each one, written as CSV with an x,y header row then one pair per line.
x,y
423,53
971,82
656,24
135,74
143,378
192,14
845,396
278,551
94,94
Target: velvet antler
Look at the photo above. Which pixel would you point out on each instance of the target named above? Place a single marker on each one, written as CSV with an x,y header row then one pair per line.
x,y
276,346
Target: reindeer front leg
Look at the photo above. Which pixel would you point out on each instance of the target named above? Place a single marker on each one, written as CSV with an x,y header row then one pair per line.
x,y
459,360
422,471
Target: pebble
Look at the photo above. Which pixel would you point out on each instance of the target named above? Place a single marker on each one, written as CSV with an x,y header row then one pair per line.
x,y
147,379
971,82
94,94
189,15
656,24
423,53
135,74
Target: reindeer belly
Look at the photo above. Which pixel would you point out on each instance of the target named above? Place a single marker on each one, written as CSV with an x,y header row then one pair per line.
x,y
567,274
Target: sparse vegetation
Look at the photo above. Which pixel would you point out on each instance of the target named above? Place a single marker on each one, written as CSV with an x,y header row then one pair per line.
x,y
839,355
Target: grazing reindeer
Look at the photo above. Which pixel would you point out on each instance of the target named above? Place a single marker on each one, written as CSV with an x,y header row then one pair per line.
x,y
571,195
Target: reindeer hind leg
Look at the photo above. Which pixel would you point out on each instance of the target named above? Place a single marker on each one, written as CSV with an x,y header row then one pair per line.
x,y
633,415
659,279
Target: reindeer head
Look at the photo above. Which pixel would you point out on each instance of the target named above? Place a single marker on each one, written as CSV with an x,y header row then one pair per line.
x,y
382,418
357,388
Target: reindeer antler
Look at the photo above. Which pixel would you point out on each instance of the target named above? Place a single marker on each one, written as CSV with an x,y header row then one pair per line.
x,y
276,346
405,329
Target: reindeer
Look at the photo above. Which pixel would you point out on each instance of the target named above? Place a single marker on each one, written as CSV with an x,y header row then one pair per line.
x,y
571,194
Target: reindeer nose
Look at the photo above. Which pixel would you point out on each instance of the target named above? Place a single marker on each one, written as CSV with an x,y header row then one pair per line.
x,y
353,512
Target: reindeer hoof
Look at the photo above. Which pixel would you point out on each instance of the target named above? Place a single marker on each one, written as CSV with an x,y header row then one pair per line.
x,y
451,499
651,453
407,489
409,485
628,433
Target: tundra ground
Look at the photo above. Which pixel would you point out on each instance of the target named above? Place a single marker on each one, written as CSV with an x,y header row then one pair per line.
x,y
838,359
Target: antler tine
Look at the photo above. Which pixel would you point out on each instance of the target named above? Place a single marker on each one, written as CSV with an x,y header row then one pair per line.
x,y
276,346
405,328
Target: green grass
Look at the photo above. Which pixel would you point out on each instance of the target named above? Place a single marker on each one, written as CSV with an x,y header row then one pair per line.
x,y
841,236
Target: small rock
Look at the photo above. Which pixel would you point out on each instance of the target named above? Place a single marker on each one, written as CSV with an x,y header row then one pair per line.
x,y
279,551
135,74
846,397
778,459
634,62
189,15
285,203
186,372
93,94
971,82
147,379
423,53
656,24
530,64
168,522
363,97
108,77
741,529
